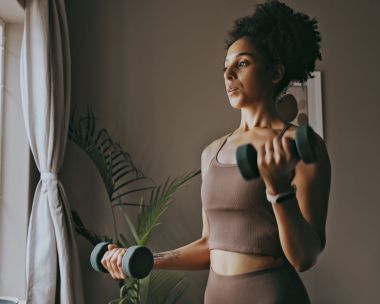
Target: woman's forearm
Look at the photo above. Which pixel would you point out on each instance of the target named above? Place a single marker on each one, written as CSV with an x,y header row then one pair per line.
x,y
193,256
300,242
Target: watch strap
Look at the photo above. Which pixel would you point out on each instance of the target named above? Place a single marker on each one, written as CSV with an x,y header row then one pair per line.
x,y
281,197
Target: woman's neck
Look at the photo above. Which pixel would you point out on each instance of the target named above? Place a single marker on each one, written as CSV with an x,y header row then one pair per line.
x,y
260,117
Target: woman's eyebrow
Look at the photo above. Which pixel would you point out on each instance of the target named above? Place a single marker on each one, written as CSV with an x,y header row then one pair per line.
x,y
240,54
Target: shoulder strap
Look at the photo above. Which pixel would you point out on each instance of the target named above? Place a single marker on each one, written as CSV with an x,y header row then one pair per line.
x,y
284,129
224,141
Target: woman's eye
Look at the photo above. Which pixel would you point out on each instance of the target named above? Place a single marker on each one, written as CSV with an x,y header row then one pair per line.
x,y
243,62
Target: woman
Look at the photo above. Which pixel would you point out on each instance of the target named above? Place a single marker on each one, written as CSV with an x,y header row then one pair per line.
x,y
252,246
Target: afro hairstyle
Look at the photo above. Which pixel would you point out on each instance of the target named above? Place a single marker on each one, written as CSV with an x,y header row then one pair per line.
x,y
281,36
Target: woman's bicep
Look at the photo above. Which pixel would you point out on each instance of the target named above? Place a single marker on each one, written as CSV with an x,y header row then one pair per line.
x,y
313,189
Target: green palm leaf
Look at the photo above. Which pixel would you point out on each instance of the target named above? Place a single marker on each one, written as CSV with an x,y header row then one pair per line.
x,y
160,198
159,287
114,165
131,226
120,177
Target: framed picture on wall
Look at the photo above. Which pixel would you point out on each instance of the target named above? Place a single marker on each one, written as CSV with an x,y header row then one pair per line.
x,y
308,98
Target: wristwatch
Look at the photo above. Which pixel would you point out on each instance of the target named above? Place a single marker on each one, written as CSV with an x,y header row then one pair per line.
x,y
281,197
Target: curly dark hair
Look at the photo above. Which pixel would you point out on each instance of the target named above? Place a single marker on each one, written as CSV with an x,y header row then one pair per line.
x,y
281,36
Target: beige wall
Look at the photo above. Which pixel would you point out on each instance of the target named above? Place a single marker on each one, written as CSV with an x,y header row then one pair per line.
x,y
151,70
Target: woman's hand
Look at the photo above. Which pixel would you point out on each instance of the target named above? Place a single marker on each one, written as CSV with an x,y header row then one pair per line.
x,y
112,261
276,161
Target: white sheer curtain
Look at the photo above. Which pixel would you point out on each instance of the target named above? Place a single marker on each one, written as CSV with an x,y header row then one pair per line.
x,y
53,270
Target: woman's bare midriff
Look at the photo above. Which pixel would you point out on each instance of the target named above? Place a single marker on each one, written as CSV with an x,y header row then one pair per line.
x,y
230,263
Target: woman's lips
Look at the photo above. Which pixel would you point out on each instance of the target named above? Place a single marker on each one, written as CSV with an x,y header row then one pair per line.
x,y
232,90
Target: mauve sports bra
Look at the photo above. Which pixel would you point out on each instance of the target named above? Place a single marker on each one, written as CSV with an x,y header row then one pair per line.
x,y
240,217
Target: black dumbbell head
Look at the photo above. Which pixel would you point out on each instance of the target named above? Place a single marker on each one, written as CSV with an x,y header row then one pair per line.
x,y
246,157
137,262
97,255
305,143
304,146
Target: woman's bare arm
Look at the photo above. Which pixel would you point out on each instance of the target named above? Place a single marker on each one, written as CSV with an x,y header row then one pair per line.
x,y
193,256
302,219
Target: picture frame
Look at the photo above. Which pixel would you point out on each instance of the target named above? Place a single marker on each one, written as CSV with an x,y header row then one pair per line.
x,y
309,102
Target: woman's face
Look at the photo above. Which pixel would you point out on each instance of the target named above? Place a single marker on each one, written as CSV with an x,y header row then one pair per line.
x,y
246,75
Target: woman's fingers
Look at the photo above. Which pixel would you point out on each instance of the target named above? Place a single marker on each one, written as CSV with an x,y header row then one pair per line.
x,y
268,151
276,161
275,158
279,152
106,258
106,262
261,156
286,143
119,263
112,246
112,261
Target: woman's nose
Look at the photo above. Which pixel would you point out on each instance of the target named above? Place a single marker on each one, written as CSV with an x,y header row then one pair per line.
x,y
229,73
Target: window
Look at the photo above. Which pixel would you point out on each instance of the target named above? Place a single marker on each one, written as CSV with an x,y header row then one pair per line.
x,y
14,163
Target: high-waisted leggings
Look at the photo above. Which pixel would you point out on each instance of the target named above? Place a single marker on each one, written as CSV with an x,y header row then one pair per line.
x,y
276,285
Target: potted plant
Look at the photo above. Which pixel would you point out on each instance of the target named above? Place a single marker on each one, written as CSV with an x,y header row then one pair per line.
x,y
121,179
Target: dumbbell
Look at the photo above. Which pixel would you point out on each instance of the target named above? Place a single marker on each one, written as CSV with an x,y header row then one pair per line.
x,y
137,262
303,147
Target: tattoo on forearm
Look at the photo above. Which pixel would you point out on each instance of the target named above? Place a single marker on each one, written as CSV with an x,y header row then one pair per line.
x,y
168,255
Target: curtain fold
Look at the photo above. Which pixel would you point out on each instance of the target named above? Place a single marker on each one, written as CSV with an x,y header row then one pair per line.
x,y
52,262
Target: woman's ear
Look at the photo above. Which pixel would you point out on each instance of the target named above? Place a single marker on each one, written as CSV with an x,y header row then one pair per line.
x,y
278,73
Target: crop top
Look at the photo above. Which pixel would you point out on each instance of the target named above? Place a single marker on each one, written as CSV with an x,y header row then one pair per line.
x,y
240,217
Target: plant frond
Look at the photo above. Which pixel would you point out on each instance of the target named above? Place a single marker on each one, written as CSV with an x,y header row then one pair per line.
x,y
128,182
131,191
107,155
124,241
161,284
81,229
131,226
160,198
127,204
119,175
122,173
